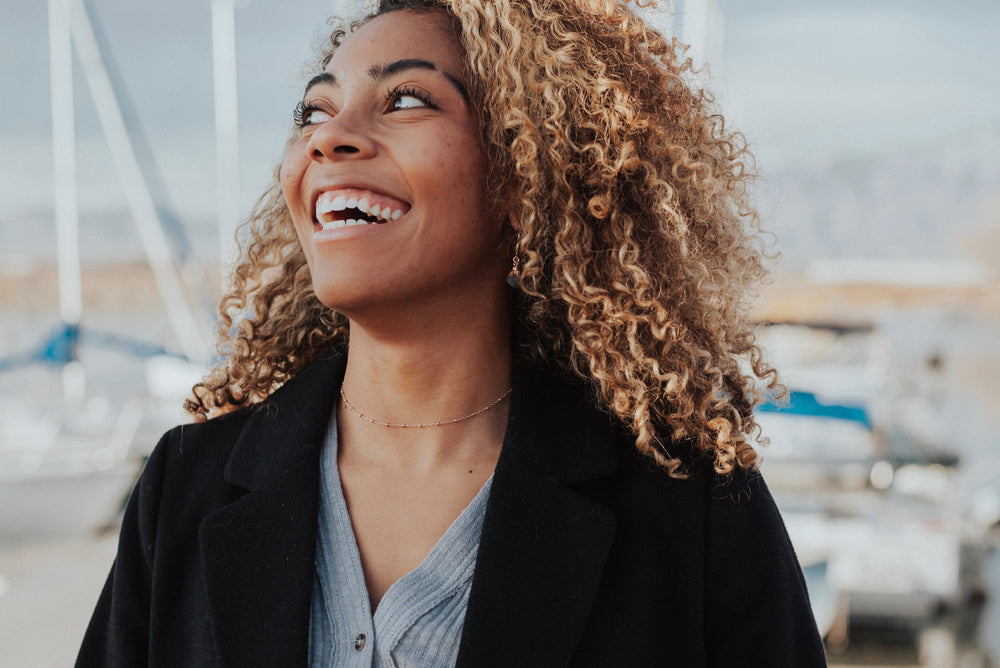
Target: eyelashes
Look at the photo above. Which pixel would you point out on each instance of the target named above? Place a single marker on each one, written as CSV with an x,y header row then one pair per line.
x,y
300,116
303,111
400,92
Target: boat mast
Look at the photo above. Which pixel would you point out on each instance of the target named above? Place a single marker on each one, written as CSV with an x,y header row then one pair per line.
x,y
343,8
64,184
702,28
137,193
227,139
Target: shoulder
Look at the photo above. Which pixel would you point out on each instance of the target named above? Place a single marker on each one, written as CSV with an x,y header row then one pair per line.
x,y
729,494
200,446
184,475
708,520
219,431
573,430
723,537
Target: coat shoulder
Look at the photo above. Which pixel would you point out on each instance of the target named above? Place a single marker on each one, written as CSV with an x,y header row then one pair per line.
x,y
697,482
200,444
716,515
716,549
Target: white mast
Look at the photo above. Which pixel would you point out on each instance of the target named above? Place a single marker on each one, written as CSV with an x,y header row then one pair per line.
x,y
694,29
702,28
227,139
715,52
64,183
64,162
137,193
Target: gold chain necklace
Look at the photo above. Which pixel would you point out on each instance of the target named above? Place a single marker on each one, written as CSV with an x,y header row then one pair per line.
x,y
482,410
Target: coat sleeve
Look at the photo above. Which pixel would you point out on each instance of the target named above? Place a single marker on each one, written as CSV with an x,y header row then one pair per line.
x,y
118,634
757,610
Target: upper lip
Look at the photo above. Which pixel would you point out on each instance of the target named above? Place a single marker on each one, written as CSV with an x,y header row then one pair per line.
x,y
327,186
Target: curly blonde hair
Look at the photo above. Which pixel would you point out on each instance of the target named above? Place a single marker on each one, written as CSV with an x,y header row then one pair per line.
x,y
640,249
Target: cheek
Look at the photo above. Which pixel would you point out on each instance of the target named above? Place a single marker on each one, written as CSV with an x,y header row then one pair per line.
x,y
461,160
290,177
287,182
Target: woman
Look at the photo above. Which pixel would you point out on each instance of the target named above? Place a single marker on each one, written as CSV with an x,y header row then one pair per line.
x,y
555,474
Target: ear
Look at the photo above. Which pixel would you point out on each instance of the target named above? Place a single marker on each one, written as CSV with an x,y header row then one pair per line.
x,y
514,221
513,202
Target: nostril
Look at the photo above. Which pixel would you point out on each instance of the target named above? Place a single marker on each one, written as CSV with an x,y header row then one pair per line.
x,y
343,149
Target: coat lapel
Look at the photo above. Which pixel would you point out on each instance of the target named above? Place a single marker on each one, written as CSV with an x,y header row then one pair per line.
x,y
543,546
259,550
542,549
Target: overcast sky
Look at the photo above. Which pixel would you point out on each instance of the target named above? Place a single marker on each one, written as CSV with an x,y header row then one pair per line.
x,y
807,80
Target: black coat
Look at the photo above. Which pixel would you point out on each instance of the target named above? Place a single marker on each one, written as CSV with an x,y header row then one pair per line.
x,y
589,555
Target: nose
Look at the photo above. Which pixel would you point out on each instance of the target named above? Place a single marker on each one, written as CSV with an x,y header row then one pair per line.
x,y
341,137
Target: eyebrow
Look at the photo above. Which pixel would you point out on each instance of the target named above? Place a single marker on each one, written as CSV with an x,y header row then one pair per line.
x,y
383,71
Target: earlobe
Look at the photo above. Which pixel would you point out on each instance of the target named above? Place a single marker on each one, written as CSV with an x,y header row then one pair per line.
x,y
512,202
514,212
514,221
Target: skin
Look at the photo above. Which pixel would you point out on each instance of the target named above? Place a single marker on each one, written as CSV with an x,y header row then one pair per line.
x,y
425,294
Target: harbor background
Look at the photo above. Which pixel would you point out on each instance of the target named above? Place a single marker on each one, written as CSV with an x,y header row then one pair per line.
x,y
876,126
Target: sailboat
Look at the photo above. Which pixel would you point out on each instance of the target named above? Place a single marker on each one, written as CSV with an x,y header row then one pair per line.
x,y
69,456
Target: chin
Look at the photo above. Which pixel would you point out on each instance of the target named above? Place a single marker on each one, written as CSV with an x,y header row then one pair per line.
x,y
339,300
345,295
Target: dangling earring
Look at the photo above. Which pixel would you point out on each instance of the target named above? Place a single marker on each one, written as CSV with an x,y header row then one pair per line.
x,y
514,277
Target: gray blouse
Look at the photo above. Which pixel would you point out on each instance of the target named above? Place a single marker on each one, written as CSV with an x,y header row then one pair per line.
x,y
419,620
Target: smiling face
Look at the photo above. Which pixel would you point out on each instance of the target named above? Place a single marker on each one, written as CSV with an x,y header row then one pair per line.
x,y
385,179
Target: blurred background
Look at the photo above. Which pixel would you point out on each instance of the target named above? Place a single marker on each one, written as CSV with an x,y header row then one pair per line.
x,y
136,134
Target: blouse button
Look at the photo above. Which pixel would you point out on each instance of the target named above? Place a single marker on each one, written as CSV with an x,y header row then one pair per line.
x,y
360,641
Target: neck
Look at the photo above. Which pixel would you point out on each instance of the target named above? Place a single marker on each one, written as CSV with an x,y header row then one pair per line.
x,y
444,369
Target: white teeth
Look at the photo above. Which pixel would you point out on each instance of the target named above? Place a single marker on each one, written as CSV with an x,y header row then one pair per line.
x,y
338,203
350,222
363,204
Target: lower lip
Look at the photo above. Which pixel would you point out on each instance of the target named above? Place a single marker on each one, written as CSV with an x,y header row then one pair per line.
x,y
350,232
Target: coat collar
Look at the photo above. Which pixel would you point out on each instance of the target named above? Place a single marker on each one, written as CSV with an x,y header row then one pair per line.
x,y
542,548
289,425
259,551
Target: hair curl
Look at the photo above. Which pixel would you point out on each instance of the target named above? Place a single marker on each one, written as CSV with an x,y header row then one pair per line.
x,y
640,249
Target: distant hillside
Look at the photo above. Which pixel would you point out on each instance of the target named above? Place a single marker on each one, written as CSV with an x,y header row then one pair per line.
x,y
924,202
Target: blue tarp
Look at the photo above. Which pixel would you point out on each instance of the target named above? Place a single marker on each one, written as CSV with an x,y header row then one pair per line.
x,y
800,402
60,347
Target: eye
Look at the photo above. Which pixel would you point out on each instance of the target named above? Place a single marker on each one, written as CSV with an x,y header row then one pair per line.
x,y
407,102
407,97
307,114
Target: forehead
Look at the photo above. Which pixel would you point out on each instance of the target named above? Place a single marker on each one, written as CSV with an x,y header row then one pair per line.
x,y
400,35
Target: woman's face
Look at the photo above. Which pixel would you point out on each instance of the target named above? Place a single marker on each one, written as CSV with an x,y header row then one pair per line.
x,y
389,138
